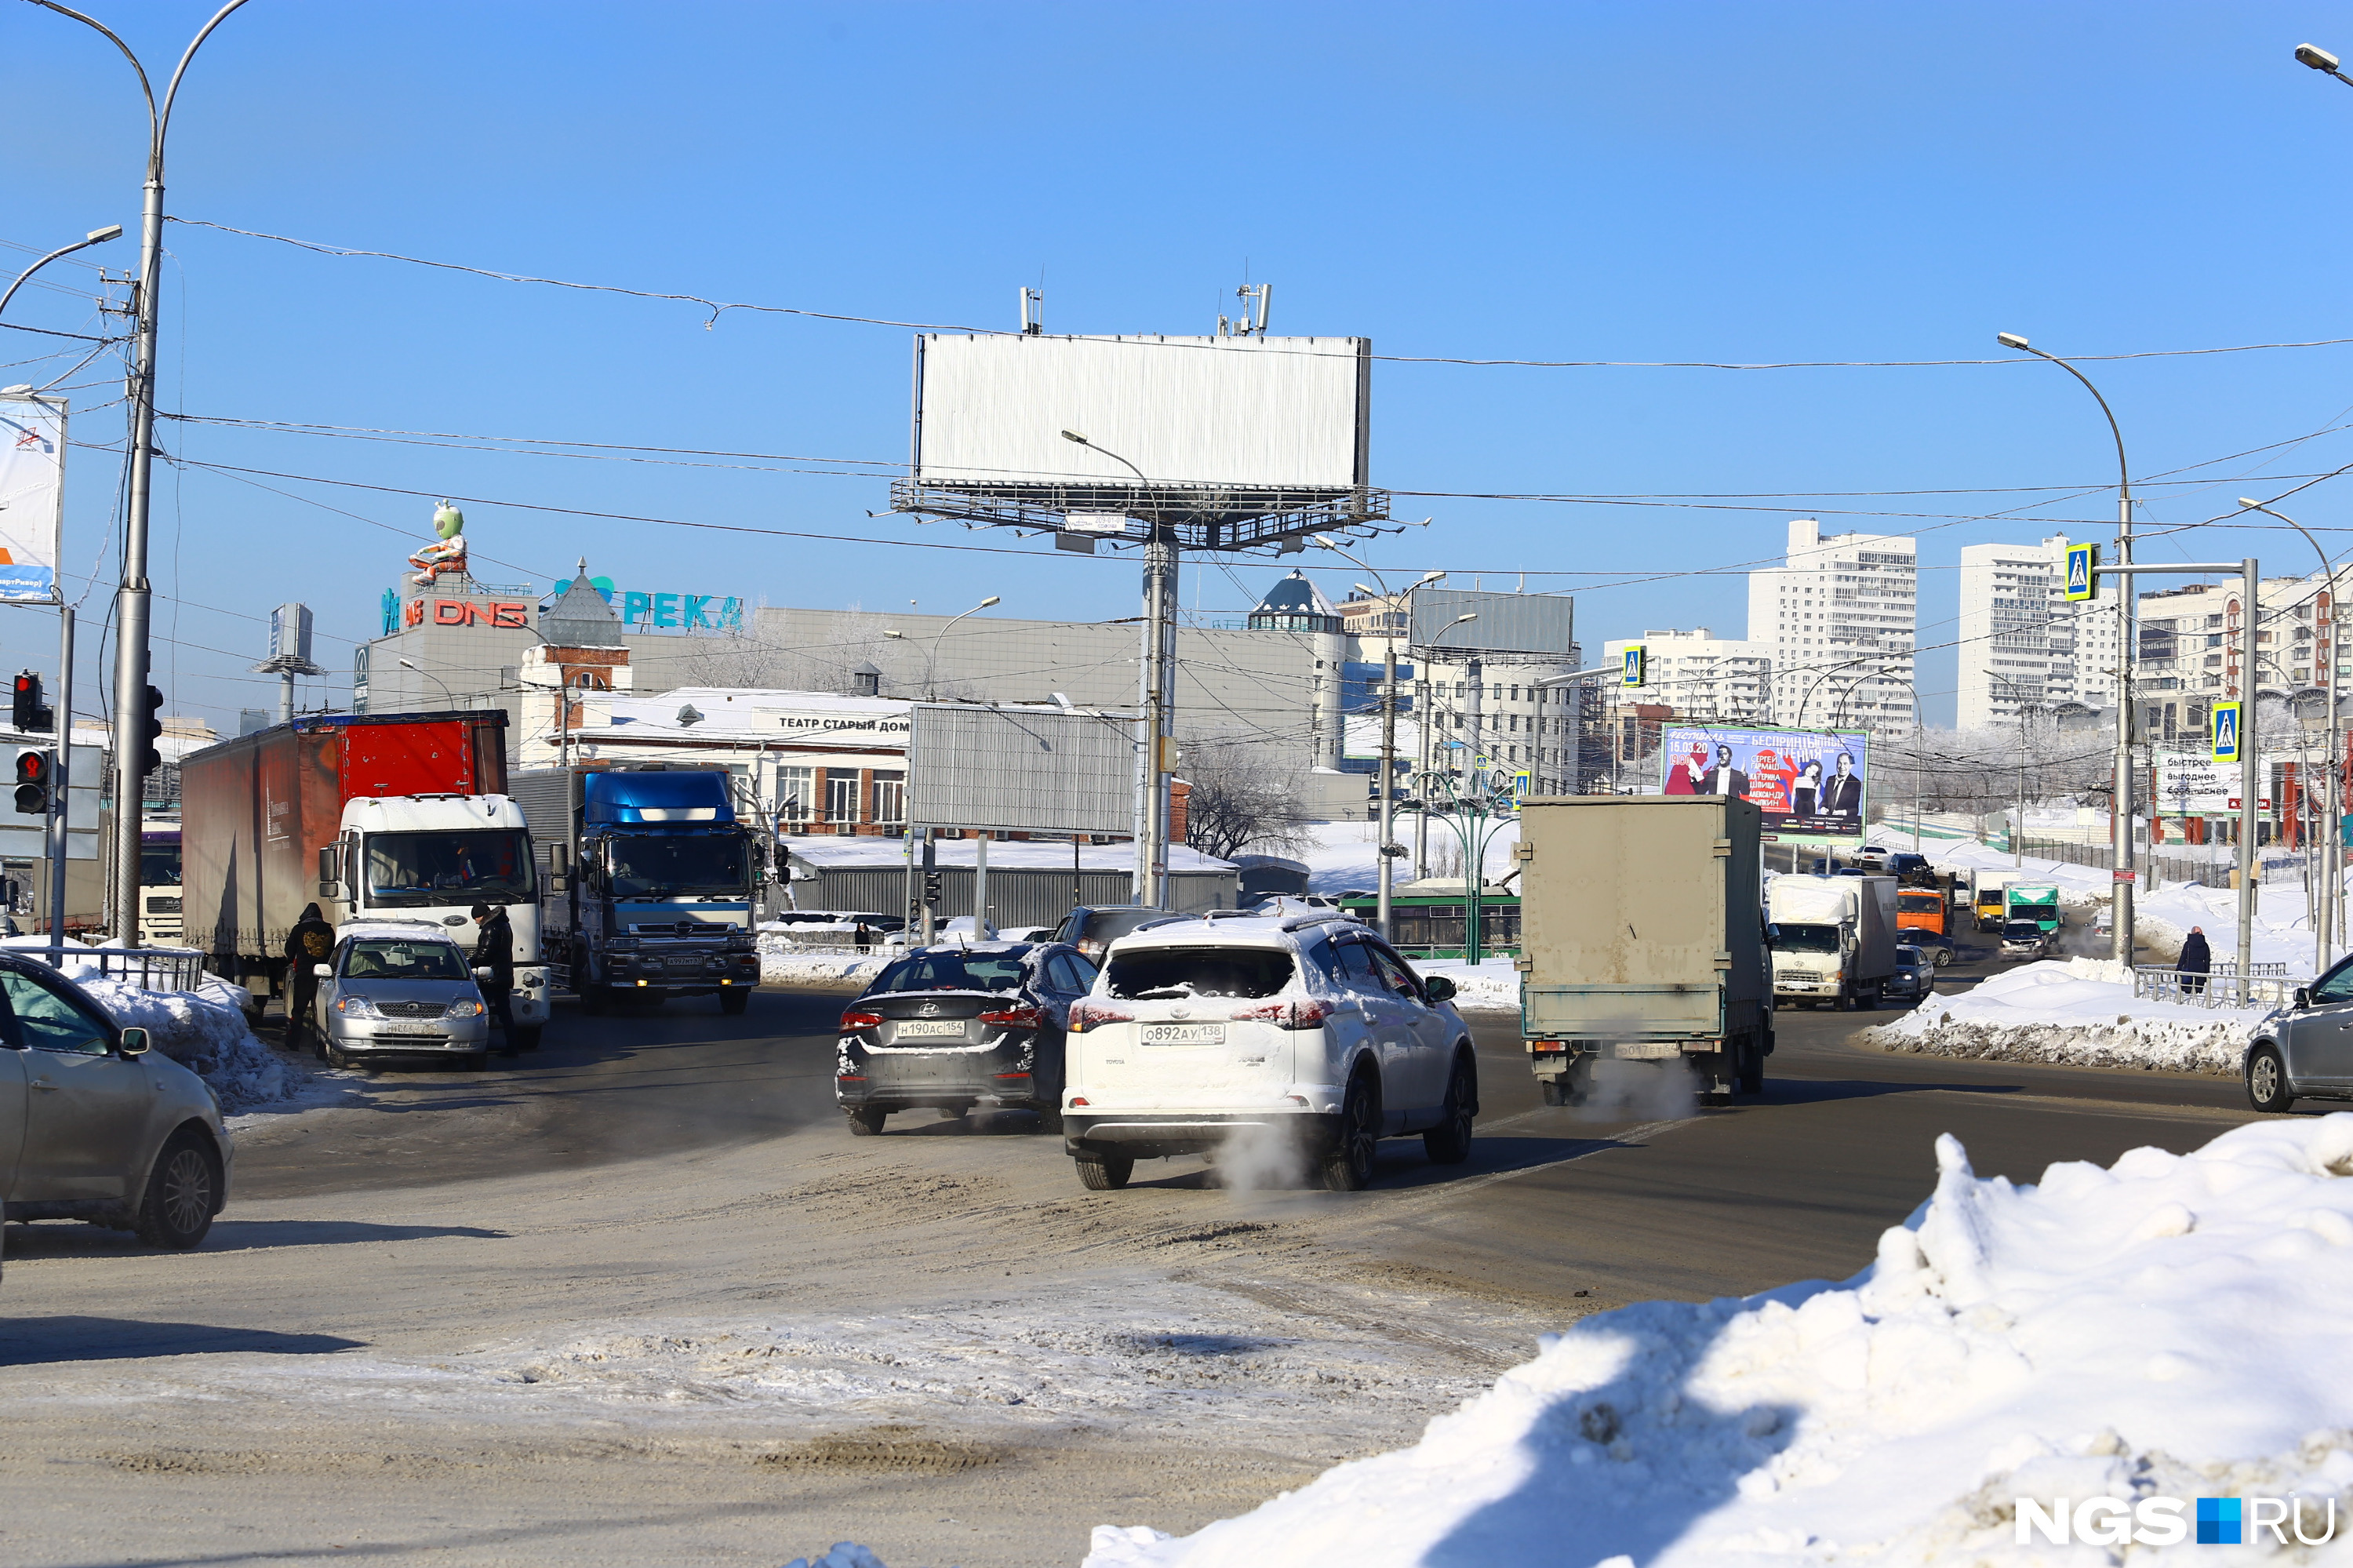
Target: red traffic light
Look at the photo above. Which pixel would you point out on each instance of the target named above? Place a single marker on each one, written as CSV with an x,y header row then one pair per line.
x,y
33,779
32,767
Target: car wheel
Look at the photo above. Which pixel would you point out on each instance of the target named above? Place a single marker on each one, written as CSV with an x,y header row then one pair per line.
x,y
2267,1089
731,1003
526,1038
1448,1143
182,1191
1348,1168
1941,957
865,1121
1103,1174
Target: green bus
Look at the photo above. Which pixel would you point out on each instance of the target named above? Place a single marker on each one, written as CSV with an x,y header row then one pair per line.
x,y
1435,925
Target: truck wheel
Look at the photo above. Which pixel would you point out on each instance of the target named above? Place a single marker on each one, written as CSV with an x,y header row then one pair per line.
x,y
1750,1079
526,1037
731,1003
1348,1167
865,1121
1555,1092
181,1193
1104,1172
1845,1000
1448,1143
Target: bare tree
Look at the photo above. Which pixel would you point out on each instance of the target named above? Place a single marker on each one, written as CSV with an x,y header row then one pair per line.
x,y
1241,802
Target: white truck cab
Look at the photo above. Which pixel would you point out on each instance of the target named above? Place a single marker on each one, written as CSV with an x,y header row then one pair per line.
x,y
432,858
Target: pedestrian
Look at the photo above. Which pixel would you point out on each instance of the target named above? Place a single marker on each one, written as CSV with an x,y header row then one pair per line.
x,y
494,951
307,945
2196,959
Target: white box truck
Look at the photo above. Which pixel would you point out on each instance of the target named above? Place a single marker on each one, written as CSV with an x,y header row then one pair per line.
x,y
1833,938
1640,936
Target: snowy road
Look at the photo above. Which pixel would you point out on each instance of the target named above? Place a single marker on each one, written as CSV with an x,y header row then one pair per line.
x,y
642,1299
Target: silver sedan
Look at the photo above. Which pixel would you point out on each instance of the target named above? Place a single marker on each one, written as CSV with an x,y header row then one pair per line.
x,y
2304,1051
400,989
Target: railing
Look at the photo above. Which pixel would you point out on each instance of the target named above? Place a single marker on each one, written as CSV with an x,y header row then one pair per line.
x,y
2170,870
148,969
2269,986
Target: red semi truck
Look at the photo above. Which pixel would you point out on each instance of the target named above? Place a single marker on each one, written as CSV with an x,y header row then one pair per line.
x,y
380,816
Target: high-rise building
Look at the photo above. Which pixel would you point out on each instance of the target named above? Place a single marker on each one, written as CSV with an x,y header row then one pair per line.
x,y
1701,676
2190,649
1839,620
2022,646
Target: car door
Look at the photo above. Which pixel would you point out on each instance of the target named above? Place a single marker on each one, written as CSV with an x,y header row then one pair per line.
x,y
13,1094
1381,1023
86,1108
1423,1040
2320,1035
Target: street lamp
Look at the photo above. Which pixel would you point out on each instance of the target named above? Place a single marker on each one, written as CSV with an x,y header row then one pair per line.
x,y
413,664
2320,60
1387,852
95,237
2332,851
932,663
2120,815
1430,710
132,600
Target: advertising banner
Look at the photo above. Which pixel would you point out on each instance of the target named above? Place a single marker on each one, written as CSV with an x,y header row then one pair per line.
x,y
1804,780
2192,784
32,497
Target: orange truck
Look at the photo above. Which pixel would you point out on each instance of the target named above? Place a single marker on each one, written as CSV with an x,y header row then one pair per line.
x,y
1923,909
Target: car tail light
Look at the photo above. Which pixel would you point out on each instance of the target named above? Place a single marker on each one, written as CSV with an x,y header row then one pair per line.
x,y
1088,1014
1077,1101
847,1076
855,1020
1303,1013
1020,1017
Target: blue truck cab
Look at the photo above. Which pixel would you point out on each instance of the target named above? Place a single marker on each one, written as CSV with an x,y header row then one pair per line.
x,y
651,881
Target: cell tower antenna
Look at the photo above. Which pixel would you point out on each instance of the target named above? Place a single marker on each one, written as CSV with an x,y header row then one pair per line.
x,y
1251,322
1033,311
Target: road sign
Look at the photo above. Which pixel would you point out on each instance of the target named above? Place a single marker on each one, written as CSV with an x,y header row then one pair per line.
x,y
1637,666
2082,572
2124,877
2222,732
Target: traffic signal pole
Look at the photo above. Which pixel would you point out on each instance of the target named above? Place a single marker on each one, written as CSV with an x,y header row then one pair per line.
x,y
60,793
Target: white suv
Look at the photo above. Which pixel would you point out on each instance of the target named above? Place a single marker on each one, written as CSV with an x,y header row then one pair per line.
x,y
1308,1027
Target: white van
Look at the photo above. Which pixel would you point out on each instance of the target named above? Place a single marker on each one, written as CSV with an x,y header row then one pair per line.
x,y
1308,1028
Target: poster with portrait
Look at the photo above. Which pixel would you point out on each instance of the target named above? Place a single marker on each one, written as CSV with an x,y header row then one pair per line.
x,y
1804,780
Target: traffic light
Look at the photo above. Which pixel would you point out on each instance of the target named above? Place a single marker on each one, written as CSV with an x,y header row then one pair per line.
x,y
932,888
35,773
30,714
150,725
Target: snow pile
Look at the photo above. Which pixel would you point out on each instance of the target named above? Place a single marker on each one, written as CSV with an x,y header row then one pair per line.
x,y
1485,986
2283,931
2074,1010
2169,1326
823,969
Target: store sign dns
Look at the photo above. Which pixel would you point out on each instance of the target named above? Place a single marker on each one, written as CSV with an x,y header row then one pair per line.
x,y
465,612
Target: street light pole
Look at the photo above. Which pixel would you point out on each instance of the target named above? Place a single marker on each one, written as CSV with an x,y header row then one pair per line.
x,y
2332,850
2120,823
133,598
95,237
1387,793
2321,60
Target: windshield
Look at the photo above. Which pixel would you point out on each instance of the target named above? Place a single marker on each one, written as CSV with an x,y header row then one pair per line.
x,y
404,960
159,865
2022,931
1198,971
1931,902
673,865
409,871
1807,939
952,971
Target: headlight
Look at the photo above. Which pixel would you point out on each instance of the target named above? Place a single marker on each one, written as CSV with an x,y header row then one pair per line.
x,y
356,1007
465,1008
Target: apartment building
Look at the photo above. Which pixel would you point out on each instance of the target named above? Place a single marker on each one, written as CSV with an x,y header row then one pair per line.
x,y
2023,648
2190,648
1839,620
1702,676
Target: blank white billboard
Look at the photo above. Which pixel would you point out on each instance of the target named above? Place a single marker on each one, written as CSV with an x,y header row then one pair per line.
x,y
1033,770
1271,413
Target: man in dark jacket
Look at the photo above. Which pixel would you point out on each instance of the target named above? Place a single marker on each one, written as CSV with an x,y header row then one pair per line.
x,y
307,945
494,951
2195,960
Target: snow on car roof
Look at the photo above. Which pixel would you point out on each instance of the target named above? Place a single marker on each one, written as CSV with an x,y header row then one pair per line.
x,y
393,931
1249,930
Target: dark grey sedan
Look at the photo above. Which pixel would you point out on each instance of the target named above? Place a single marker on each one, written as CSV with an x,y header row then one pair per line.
x,y
2304,1051
951,1027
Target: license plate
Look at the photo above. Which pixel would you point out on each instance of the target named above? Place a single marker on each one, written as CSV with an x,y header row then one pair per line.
x,y
1644,1049
1183,1034
409,1035
931,1029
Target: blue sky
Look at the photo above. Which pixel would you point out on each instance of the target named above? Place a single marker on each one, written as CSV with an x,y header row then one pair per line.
x,y
1651,182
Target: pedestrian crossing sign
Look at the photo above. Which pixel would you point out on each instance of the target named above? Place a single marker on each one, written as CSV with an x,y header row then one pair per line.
x,y
2224,733
1637,672
2082,572
1521,780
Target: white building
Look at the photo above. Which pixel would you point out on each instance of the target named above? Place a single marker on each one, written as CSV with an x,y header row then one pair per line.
x,y
1702,676
2022,645
1838,622
2190,649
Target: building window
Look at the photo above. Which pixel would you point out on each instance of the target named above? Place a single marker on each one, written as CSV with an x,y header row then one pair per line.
x,y
796,793
841,797
890,797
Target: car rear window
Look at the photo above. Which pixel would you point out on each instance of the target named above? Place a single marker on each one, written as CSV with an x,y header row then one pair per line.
x,y
1198,971
1110,925
952,971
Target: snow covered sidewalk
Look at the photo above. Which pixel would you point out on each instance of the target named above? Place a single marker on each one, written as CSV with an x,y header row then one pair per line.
x,y
2079,1011
2170,1328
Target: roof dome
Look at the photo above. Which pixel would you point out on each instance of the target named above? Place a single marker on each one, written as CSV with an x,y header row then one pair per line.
x,y
580,617
1294,604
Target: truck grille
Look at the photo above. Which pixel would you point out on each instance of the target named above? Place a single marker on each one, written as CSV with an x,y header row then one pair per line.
x,y
410,1009
164,905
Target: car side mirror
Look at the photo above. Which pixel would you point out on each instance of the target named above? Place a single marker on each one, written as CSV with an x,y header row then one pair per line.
x,y
557,882
2303,997
1437,987
323,971
482,971
132,1041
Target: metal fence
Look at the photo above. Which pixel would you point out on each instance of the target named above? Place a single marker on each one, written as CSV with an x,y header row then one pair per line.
x,y
2165,869
2269,986
149,968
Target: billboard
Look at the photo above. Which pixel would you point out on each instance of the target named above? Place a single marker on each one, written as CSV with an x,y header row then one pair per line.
x,y
1034,770
32,496
1804,780
1287,413
2193,784
1538,624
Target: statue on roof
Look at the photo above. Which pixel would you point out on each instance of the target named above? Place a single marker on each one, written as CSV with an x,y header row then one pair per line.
x,y
447,554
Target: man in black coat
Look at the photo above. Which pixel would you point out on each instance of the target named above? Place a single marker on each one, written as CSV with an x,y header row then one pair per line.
x,y
307,945
2196,959
494,951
